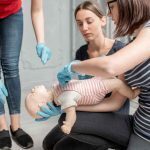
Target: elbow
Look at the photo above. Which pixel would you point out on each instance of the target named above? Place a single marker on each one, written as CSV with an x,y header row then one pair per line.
x,y
118,106
108,68
111,72
36,9
115,108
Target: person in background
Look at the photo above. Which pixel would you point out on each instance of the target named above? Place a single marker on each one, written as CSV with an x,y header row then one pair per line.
x,y
11,31
90,22
132,17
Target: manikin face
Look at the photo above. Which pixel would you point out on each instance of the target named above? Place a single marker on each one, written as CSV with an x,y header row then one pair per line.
x,y
38,97
89,24
40,91
113,10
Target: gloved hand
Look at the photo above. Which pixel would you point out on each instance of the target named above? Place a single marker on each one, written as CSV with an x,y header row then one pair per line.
x,y
3,92
84,77
66,74
46,113
43,52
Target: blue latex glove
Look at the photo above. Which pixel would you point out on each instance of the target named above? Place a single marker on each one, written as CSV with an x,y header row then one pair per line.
x,y
84,77
43,52
46,113
66,74
3,92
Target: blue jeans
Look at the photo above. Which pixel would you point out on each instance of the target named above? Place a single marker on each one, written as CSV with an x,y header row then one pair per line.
x,y
11,31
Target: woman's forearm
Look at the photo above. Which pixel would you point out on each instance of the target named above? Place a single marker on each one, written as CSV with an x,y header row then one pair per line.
x,y
92,67
101,107
123,60
38,20
113,103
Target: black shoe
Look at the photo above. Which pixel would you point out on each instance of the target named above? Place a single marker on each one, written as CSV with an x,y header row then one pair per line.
x,y
5,140
21,138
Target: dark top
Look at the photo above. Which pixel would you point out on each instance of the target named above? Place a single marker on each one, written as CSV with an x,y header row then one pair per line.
x,y
82,54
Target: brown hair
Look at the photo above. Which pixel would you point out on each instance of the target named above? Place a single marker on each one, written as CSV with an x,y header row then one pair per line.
x,y
132,14
92,6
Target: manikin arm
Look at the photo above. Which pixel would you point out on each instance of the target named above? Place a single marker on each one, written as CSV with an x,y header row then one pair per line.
x,y
68,101
69,120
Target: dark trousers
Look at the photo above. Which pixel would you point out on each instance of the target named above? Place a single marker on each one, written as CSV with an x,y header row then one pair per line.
x,y
56,140
92,131
137,143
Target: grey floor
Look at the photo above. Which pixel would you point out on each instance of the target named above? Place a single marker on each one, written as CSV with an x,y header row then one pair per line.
x,y
38,130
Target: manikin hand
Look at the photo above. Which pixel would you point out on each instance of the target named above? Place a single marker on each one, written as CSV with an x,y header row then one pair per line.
x,y
66,128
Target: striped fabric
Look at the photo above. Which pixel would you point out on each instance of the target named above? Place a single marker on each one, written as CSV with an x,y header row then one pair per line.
x,y
140,77
92,90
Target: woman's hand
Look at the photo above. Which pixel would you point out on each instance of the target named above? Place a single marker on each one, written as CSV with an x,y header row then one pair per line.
x,y
43,52
3,92
84,77
66,74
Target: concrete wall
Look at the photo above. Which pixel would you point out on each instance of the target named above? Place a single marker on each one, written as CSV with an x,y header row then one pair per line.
x,y
58,39
61,35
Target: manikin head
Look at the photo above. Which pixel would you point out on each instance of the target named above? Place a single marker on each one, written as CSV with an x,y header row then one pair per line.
x,y
38,97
